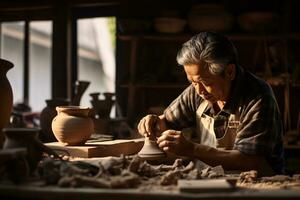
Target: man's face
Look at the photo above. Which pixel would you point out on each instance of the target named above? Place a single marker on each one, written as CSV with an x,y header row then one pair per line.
x,y
210,87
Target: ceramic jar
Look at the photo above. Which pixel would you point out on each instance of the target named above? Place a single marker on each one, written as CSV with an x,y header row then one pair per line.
x,y
72,125
25,138
102,107
46,117
6,99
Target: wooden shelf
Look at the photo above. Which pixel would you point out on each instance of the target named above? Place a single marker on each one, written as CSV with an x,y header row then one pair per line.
x,y
134,42
294,35
154,85
185,36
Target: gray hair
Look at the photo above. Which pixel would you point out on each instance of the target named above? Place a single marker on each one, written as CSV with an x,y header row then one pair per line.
x,y
215,50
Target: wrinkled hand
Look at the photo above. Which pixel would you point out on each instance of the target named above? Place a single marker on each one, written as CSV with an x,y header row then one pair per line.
x,y
149,126
174,142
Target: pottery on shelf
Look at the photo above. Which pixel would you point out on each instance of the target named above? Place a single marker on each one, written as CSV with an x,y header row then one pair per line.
x,y
46,117
72,125
151,151
102,107
6,99
209,17
80,88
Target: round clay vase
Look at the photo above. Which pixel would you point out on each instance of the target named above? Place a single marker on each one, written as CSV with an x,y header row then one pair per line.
x,y
72,125
6,99
25,138
151,151
46,117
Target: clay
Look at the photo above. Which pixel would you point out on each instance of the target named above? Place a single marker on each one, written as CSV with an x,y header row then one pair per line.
x,y
125,180
151,151
171,177
134,172
251,181
249,176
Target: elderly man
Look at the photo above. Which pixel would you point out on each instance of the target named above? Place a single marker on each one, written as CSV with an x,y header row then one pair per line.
x,y
235,113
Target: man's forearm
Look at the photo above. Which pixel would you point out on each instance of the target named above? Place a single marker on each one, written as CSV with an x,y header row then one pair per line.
x,y
229,159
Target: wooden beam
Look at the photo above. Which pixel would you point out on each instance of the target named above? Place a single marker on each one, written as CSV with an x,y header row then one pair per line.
x,y
61,51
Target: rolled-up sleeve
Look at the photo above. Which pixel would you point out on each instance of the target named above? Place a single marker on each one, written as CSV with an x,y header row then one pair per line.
x,y
181,113
261,127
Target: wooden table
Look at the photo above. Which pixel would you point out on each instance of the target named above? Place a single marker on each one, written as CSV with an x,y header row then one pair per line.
x,y
8,191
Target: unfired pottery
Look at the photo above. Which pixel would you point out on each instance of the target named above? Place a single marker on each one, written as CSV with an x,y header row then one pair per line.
x,y
6,99
46,117
151,151
72,126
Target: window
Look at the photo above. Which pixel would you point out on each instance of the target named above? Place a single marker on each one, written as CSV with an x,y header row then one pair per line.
x,y
96,55
40,64
12,49
39,68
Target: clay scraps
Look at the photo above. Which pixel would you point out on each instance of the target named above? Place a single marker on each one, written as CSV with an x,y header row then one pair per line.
x,y
123,172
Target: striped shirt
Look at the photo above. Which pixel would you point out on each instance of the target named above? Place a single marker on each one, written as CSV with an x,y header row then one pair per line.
x,y
259,130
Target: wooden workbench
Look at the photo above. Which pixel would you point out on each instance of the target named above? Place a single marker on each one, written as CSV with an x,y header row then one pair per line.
x,y
8,191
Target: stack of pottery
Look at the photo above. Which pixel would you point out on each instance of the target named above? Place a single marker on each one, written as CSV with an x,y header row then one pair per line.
x,y
209,17
6,99
72,125
46,117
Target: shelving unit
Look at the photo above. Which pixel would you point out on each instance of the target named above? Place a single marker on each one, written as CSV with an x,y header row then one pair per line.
x,y
133,85
252,52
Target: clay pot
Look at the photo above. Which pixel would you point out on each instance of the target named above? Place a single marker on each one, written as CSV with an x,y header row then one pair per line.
x,y
6,99
72,126
46,117
25,138
151,151
102,107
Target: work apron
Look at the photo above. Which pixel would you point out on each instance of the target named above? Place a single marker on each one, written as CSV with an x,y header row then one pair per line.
x,y
205,129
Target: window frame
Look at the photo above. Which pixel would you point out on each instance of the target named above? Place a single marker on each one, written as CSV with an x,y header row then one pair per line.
x,y
26,15
53,12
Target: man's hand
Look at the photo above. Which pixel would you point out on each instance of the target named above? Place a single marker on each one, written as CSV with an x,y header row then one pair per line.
x,y
174,142
151,126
